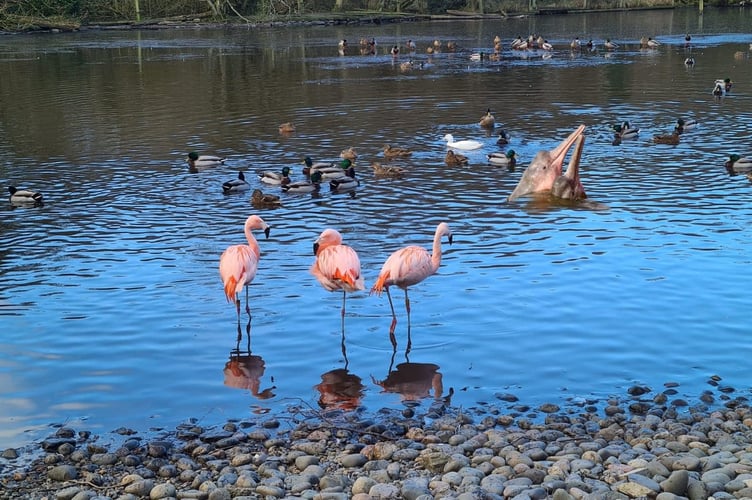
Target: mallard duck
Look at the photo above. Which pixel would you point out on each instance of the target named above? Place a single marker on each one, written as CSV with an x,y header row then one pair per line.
x,y
394,51
671,139
287,128
546,45
322,166
349,154
487,120
259,199
410,46
737,164
276,178
453,159
719,90
342,47
649,43
478,56
198,162
346,181
504,138
508,159
468,144
406,66
626,131
683,125
689,61
391,152
575,44
387,170
609,45
334,170
24,197
236,185
308,186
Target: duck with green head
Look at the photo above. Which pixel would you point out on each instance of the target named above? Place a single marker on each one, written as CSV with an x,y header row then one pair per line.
x,y
276,178
198,162
737,164
238,185
307,186
501,159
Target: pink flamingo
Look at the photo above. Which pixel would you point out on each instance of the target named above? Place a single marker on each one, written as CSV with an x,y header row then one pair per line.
x,y
408,266
337,266
238,264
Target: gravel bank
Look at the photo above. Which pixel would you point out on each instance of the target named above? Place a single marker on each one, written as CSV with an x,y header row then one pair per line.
x,y
638,446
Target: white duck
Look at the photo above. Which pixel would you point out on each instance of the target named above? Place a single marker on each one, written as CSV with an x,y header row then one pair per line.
x,y
236,185
466,145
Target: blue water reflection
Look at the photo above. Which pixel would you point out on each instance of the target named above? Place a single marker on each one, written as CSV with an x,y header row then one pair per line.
x,y
111,306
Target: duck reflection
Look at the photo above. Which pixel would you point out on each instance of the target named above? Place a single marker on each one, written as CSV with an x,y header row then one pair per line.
x,y
244,370
414,382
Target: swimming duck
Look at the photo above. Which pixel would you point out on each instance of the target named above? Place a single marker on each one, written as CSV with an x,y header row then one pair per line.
x,y
478,56
198,162
394,51
689,61
307,186
287,128
387,170
276,178
349,154
575,44
410,46
626,131
332,170
504,138
322,166
719,89
737,164
390,152
609,45
24,197
466,144
259,199
682,125
236,185
453,159
487,120
346,181
508,159
671,139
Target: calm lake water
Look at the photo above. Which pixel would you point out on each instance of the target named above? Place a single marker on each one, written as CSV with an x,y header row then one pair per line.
x,y
111,307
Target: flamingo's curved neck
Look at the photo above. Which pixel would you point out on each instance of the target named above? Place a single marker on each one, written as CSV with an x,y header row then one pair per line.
x,y
252,241
436,254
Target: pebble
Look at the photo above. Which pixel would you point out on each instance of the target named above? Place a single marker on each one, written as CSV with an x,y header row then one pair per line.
x,y
604,450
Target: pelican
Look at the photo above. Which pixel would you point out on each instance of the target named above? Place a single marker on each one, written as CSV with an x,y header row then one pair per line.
x,y
545,168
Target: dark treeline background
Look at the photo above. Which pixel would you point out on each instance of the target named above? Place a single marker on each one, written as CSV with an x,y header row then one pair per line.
x,y
25,15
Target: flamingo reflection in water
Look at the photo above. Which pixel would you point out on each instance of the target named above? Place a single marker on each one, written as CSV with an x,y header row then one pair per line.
x,y
339,389
406,267
238,264
244,370
337,266
414,382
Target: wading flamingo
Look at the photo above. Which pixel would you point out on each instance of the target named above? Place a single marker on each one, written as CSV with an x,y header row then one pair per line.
x,y
408,266
238,264
337,266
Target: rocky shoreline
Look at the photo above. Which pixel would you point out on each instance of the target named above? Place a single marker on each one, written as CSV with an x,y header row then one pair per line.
x,y
637,446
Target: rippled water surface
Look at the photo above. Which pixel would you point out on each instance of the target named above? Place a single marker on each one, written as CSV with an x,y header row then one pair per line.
x,y
111,308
